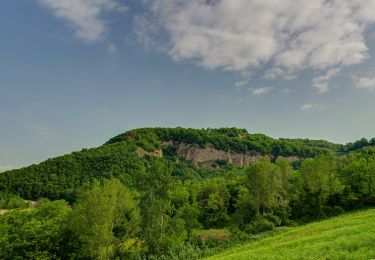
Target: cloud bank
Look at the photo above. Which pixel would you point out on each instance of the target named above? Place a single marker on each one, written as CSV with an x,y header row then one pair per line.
x,y
284,36
242,34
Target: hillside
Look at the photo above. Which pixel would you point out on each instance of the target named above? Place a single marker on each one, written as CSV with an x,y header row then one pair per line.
x,y
124,155
231,139
175,193
351,236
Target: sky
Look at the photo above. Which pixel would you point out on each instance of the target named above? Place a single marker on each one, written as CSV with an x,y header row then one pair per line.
x,y
74,73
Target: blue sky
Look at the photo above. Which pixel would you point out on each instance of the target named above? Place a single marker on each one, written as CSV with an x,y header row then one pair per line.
x,y
74,73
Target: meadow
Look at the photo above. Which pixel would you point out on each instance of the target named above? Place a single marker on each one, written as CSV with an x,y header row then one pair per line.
x,y
350,236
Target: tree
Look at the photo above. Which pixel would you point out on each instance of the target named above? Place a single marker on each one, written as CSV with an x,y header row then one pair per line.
x,y
160,231
106,219
264,181
319,182
213,199
244,207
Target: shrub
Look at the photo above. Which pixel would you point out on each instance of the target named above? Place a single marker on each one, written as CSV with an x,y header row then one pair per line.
x,y
334,211
15,203
259,225
274,219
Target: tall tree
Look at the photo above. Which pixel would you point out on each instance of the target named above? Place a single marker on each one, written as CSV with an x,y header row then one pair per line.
x,y
264,181
160,230
105,219
319,182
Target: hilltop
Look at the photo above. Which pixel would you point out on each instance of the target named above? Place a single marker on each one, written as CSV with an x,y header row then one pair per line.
x,y
127,153
124,155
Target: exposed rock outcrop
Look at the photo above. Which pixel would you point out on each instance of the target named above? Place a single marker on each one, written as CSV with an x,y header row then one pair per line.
x,y
157,153
203,156
208,155
199,155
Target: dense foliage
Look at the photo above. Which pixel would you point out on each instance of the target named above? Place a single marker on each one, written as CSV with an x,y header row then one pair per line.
x,y
126,204
230,139
358,145
11,201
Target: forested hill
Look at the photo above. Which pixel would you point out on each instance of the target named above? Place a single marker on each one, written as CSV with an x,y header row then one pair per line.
x,y
175,193
127,155
230,139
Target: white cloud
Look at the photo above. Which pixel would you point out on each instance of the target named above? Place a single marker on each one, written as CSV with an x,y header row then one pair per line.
x,y
312,106
241,83
261,91
276,72
322,82
147,30
288,36
84,15
365,83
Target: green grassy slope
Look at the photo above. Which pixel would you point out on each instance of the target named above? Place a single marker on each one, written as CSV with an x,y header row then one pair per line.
x,y
350,236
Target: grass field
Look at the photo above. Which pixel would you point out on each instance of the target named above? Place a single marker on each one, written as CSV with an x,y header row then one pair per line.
x,y
350,236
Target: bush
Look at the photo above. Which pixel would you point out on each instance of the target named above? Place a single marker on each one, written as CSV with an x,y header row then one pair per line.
x,y
274,219
334,211
16,202
3,203
259,225
11,201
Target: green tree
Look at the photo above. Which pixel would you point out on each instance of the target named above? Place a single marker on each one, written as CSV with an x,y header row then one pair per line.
x,y
213,199
160,230
264,182
319,182
244,208
106,219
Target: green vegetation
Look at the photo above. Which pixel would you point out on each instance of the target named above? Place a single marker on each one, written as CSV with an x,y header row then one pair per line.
x,y
351,236
229,139
124,200
11,201
35,234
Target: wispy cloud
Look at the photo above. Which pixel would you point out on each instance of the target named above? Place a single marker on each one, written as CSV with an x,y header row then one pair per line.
x,y
84,15
240,84
312,106
261,91
365,83
321,83
275,73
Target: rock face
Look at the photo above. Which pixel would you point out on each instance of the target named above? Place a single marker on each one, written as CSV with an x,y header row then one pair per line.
x,y
200,156
157,153
207,156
